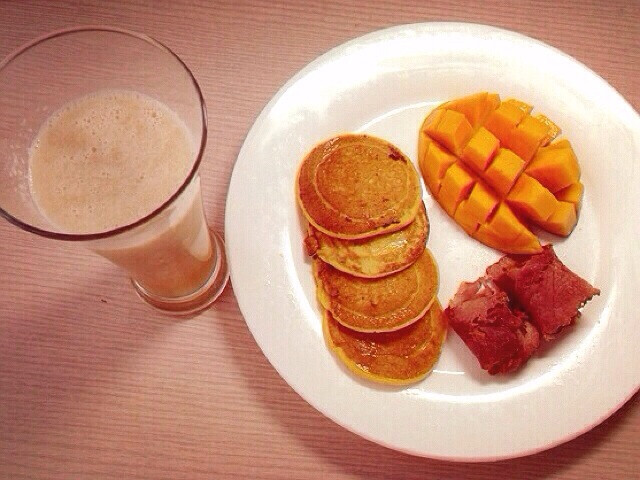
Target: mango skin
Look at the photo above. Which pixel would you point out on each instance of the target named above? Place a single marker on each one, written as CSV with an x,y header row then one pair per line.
x,y
497,170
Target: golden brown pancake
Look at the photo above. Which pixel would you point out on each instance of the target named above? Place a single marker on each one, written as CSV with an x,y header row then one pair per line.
x,y
355,186
399,357
378,304
373,256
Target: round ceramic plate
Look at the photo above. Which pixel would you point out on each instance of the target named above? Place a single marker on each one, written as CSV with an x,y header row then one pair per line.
x,y
384,83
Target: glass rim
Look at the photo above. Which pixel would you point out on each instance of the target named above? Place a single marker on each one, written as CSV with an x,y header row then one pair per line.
x,y
187,181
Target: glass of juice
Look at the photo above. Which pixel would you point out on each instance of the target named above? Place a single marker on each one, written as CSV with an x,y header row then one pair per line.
x,y
102,133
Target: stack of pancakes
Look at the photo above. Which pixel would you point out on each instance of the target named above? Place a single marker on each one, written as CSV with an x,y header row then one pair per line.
x,y
376,280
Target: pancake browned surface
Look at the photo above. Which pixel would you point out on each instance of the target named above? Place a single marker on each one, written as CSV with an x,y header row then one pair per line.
x,y
378,304
374,256
355,186
399,357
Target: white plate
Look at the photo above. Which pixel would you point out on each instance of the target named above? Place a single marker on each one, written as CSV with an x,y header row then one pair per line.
x,y
384,83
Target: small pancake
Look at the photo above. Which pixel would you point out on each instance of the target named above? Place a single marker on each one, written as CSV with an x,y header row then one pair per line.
x,y
378,304
356,186
397,358
374,256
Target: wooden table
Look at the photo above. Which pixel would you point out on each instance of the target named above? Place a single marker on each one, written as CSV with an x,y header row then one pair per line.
x,y
94,384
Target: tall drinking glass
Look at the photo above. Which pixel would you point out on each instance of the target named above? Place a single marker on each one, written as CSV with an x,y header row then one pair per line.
x,y
102,132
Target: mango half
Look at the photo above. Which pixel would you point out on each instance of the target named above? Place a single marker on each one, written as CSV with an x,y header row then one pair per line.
x,y
496,170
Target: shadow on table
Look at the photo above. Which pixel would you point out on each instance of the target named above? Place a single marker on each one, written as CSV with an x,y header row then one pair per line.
x,y
358,457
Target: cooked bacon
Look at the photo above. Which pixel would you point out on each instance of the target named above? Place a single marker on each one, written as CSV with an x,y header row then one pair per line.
x,y
544,287
501,338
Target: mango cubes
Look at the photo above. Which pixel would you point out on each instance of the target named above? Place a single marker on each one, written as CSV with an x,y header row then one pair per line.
x,y
495,169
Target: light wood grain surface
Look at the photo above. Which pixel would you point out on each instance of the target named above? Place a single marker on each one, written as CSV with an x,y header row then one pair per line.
x,y
94,384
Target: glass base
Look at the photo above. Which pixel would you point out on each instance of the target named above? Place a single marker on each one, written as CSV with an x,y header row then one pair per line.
x,y
202,298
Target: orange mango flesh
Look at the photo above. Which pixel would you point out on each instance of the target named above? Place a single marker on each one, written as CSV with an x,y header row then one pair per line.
x,y
495,171
455,187
432,121
505,118
476,209
525,139
505,232
503,172
482,203
556,166
436,162
465,218
525,107
453,130
562,220
475,107
571,194
504,224
552,129
480,150
560,143
529,198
